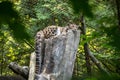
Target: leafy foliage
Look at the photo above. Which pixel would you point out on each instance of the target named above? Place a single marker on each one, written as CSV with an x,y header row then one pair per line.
x,y
12,29
82,6
17,17
9,16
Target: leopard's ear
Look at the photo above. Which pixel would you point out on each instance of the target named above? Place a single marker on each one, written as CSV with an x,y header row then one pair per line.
x,y
73,26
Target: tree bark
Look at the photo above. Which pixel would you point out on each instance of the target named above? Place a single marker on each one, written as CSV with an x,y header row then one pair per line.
x,y
32,66
22,71
86,48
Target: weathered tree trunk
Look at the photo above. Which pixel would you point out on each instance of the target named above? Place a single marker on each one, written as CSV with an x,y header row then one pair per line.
x,y
59,57
22,71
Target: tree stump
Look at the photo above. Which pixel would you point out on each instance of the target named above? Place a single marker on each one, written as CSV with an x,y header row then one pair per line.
x,y
59,57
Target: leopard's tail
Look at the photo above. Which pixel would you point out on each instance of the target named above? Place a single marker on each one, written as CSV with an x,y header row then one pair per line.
x,y
39,45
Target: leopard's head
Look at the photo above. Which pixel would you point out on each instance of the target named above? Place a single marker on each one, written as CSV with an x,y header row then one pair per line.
x,y
73,26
